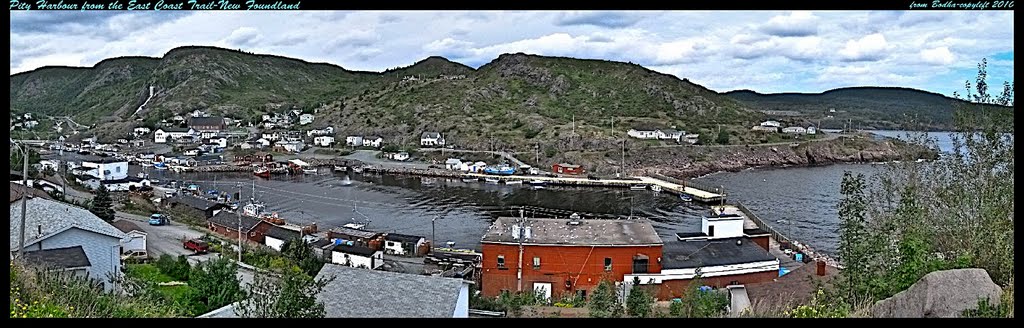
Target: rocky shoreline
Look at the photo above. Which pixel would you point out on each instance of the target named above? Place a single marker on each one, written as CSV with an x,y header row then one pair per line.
x,y
685,163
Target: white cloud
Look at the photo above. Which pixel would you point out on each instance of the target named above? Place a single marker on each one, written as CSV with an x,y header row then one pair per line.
x,y
937,56
797,23
869,48
763,51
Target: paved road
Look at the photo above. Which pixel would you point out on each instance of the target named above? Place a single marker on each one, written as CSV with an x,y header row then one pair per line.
x,y
168,239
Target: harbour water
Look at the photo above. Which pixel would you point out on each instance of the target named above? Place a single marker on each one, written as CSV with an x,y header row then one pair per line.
x,y
799,202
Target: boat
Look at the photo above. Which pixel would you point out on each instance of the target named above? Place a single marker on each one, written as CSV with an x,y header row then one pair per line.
x,y
470,180
537,182
538,187
339,168
513,182
502,169
262,172
309,171
357,169
638,187
491,180
685,198
357,226
160,166
656,188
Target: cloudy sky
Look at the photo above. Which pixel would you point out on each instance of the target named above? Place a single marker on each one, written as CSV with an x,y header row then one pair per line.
x,y
759,50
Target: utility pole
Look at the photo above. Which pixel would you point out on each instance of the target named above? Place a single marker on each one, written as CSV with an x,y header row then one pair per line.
x,y
622,164
24,199
432,230
239,213
522,228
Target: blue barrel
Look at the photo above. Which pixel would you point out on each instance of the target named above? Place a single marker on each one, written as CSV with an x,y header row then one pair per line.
x,y
799,257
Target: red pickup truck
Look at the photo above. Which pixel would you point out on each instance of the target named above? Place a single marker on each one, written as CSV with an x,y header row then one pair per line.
x,y
197,246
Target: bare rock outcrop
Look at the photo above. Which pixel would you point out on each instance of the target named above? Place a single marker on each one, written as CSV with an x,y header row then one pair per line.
x,y
940,294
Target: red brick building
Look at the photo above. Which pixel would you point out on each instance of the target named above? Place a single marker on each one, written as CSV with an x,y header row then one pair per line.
x,y
563,257
563,168
226,224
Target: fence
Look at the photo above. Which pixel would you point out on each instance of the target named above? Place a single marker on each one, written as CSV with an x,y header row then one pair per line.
x,y
797,246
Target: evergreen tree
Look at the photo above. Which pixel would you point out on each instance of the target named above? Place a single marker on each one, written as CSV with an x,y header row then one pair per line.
x,y
289,294
640,302
604,303
214,284
102,205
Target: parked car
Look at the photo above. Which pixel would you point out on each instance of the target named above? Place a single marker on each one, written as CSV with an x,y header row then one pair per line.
x,y
197,245
159,219
139,255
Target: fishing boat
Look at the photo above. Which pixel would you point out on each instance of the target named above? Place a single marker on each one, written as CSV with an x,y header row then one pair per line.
x,y
638,187
537,182
309,171
513,182
503,169
469,180
261,172
357,226
160,166
656,188
685,198
491,180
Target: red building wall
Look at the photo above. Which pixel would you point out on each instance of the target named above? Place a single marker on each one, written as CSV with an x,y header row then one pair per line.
x,y
567,170
583,265
675,288
761,241
255,235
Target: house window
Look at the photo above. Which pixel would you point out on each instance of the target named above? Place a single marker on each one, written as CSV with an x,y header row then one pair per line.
x,y
640,262
607,264
536,263
501,262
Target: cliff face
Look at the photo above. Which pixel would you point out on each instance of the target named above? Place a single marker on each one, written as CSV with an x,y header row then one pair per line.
x,y
688,162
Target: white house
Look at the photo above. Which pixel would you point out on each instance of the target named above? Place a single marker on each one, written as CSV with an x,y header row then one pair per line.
x,y
140,131
306,119
264,142
762,128
399,244
775,124
192,152
276,236
400,156
453,164
320,132
163,135
670,134
49,164
691,138
431,139
794,130
323,141
355,141
63,237
811,130
31,124
643,133
272,136
135,237
372,141
290,146
357,256
106,168
221,142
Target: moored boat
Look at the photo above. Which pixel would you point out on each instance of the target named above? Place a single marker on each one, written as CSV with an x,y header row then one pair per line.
x,y
309,171
470,180
537,182
638,187
656,188
491,180
339,168
502,169
685,197
513,182
261,172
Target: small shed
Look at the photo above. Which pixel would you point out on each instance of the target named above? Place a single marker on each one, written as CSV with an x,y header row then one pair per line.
x,y
564,168
399,244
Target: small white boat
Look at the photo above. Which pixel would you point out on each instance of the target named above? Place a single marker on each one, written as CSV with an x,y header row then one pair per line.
x,y
638,187
469,180
357,226
491,180
339,168
357,169
309,171
513,182
538,182
685,198
537,187
656,188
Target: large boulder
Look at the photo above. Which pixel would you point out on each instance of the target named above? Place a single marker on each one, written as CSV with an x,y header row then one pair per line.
x,y
940,294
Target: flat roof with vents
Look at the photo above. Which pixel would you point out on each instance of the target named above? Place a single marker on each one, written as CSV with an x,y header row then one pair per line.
x,y
567,232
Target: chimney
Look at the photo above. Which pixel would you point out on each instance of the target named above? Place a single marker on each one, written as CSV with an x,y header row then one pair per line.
x,y
821,267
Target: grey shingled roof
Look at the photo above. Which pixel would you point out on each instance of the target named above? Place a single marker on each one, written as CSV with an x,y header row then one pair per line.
x,y
702,253
589,232
126,226
355,232
230,220
61,258
46,217
402,238
354,249
363,293
430,135
17,190
281,233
